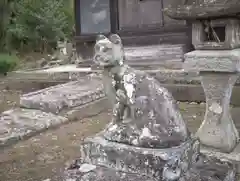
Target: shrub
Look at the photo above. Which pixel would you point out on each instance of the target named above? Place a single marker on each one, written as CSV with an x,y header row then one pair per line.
x,y
36,25
7,63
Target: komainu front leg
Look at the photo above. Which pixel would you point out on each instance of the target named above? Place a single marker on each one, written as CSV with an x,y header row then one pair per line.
x,y
118,112
119,107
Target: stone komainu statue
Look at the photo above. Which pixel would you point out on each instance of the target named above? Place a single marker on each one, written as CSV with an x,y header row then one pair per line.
x,y
144,113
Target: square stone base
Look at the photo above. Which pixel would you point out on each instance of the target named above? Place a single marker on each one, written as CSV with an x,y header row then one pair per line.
x,y
88,172
103,160
131,159
212,60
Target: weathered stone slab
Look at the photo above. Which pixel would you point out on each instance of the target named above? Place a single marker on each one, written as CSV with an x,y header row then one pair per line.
x,y
131,159
207,60
59,73
18,124
65,96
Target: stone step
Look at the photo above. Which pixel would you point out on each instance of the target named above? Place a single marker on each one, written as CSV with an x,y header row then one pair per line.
x,y
159,47
19,124
154,52
156,64
157,56
88,172
130,159
150,39
64,96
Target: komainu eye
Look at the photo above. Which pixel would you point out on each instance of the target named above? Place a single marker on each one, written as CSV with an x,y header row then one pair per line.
x,y
97,48
105,49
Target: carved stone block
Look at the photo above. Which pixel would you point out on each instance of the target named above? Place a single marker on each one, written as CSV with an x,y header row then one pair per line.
x,y
209,60
131,159
88,172
19,124
64,96
217,34
104,160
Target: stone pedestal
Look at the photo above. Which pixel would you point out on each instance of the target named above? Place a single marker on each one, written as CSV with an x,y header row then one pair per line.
x,y
104,160
219,72
218,129
137,160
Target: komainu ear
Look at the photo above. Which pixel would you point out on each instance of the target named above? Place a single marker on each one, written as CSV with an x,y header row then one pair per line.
x,y
115,39
100,37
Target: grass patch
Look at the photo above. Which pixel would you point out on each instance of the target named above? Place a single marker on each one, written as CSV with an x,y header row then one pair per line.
x,y
7,62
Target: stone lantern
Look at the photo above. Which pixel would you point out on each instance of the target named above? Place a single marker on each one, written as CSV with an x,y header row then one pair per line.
x,y
216,38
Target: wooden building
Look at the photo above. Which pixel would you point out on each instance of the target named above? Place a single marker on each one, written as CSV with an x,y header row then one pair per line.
x,y
141,24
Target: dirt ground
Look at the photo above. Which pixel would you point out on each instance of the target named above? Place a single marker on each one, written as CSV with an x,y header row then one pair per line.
x,y
9,99
43,157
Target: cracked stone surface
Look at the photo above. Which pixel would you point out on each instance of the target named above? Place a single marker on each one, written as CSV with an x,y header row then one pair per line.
x,y
18,124
65,96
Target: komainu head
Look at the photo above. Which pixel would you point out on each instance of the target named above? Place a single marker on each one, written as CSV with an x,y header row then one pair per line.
x,y
108,51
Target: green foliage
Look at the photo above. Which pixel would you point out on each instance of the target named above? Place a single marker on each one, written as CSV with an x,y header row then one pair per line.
x,y
7,62
4,20
37,25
